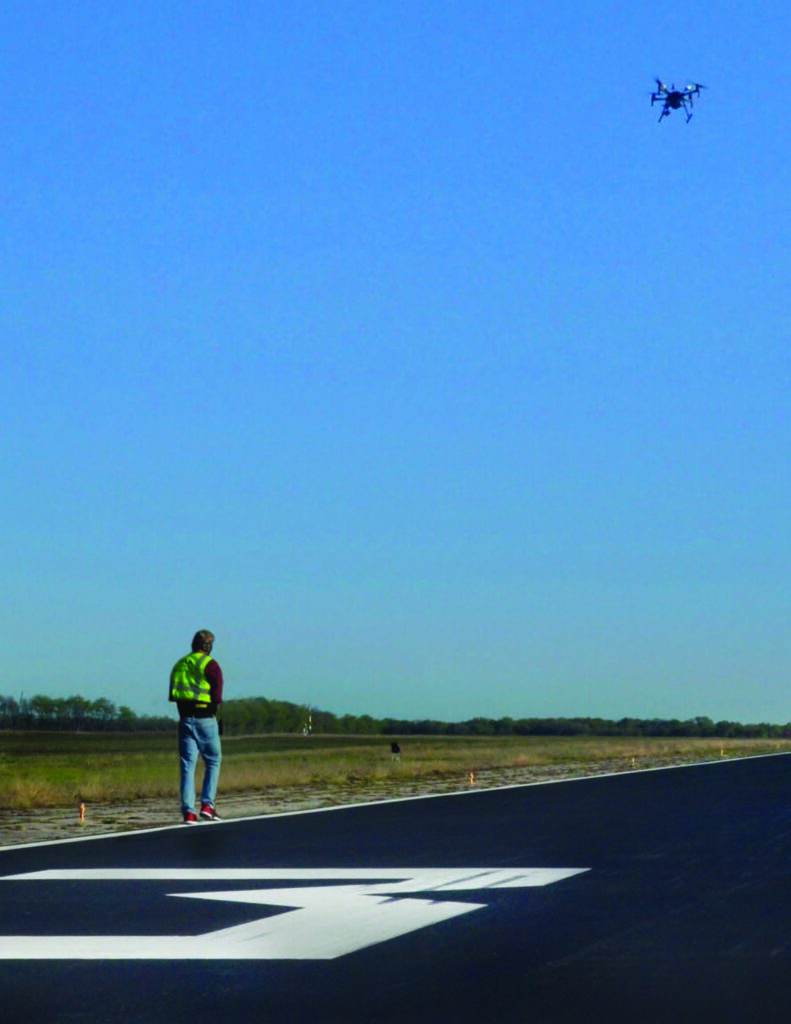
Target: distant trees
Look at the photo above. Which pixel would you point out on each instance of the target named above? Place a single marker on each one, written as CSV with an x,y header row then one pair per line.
x,y
256,715
75,714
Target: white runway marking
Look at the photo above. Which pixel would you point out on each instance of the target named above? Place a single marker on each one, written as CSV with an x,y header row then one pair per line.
x,y
322,921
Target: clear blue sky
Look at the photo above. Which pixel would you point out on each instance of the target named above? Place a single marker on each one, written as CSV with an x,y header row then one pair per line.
x,y
400,346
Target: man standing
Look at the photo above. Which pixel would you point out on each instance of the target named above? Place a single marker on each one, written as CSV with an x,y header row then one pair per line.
x,y
196,687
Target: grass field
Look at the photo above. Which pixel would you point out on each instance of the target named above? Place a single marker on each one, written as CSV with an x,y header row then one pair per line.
x,y
43,769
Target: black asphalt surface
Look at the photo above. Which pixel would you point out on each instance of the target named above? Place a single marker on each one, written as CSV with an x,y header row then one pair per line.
x,y
683,915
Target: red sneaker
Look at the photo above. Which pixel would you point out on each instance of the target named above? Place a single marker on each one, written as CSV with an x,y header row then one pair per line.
x,y
209,813
190,818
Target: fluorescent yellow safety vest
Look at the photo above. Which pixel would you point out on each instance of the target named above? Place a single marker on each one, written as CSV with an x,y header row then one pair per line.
x,y
188,679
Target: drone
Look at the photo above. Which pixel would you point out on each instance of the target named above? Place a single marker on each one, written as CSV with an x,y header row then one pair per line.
x,y
674,99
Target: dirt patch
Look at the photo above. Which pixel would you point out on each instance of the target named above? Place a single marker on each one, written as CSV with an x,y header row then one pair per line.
x,y
46,824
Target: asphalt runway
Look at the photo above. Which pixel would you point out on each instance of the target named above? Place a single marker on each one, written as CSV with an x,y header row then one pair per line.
x,y
649,896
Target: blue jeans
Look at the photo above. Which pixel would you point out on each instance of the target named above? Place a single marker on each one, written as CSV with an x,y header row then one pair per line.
x,y
199,736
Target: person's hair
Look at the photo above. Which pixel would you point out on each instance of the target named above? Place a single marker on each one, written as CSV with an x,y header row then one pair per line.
x,y
202,640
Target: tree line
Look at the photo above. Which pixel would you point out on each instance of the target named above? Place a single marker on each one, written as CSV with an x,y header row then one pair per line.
x,y
76,714
255,715
261,715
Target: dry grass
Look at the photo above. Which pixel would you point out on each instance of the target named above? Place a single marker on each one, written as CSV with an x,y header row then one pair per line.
x,y
58,770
